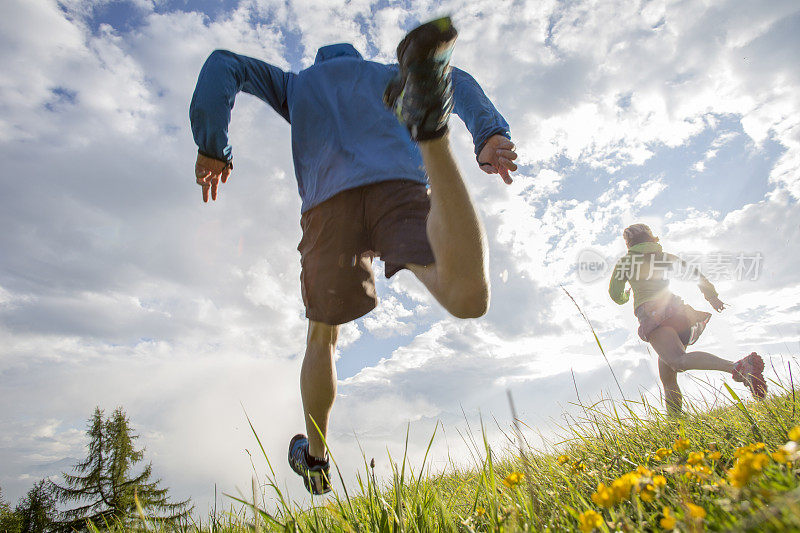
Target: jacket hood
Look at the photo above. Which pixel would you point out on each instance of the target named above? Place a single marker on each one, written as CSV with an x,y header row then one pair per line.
x,y
645,248
336,50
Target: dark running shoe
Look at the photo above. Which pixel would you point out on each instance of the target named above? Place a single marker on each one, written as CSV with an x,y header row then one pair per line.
x,y
316,478
422,94
750,371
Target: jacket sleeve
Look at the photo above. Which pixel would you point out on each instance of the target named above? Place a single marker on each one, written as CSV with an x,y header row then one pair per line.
x,y
705,286
476,110
223,75
616,287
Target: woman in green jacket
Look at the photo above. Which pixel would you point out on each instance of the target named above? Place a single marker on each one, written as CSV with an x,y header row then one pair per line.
x,y
666,322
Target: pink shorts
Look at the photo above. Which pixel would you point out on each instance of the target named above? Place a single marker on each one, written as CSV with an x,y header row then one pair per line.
x,y
671,312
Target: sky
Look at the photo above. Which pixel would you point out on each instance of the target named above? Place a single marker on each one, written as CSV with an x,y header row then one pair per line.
x,y
119,287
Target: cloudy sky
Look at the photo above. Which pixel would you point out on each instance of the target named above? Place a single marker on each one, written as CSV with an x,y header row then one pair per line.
x,y
119,287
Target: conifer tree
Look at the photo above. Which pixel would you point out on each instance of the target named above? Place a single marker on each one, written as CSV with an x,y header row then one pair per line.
x,y
9,521
36,512
105,483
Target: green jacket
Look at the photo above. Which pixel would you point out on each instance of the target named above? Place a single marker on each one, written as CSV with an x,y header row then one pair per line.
x,y
646,267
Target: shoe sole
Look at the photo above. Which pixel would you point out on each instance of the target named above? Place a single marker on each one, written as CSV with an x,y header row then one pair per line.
x,y
432,40
755,379
425,48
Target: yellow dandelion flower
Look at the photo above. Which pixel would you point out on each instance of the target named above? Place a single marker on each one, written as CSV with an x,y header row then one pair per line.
x,y
642,471
623,485
681,445
604,496
749,449
648,493
750,462
659,481
480,511
780,456
668,522
563,459
759,461
713,456
696,458
738,477
662,453
695,511
794,434
590,520
513,479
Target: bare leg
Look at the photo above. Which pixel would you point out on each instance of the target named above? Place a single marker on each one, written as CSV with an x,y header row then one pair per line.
x,y
672,392
458,277
707,361
318,383
671,350
672,358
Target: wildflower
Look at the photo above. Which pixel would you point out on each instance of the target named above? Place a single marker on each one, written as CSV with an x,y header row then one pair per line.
x,y
589,520
647,493
661,454
713,455
696,458
749,449
668,522
659,482
695,511
698,473
749,463
604,497
480,511
780,456
642,471
792,450
794,434
623,485
681,445
563,459
513,479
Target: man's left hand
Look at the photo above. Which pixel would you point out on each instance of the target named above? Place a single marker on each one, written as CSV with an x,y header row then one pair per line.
x,y
716,303
497,157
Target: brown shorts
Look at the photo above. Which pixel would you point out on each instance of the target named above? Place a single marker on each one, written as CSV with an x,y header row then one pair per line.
x,y
342,234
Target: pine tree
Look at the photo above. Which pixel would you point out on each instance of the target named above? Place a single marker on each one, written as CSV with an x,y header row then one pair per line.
x,y
9,521
104,483
37,510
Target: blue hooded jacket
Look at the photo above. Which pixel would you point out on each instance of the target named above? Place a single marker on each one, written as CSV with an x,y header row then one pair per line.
x,y
343,136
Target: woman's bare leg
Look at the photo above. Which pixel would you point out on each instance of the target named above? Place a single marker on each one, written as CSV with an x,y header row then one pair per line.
x,y
671,350
672,392
672,358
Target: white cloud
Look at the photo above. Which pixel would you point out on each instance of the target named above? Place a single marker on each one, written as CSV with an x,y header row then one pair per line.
x,y
387,319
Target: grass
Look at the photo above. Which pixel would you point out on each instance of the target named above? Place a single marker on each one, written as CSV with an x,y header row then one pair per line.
x,y
618,466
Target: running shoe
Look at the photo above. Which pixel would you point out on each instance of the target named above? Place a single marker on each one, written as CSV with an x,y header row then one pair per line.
x,y
316,478
421,95
750,371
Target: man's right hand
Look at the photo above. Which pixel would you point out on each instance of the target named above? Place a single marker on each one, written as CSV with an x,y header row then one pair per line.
x,y
209,172
497,157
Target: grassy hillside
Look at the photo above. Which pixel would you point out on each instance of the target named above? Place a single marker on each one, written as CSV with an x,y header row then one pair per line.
x,y
620,467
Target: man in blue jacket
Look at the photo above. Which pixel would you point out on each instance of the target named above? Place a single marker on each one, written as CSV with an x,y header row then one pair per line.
x,y
362,176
